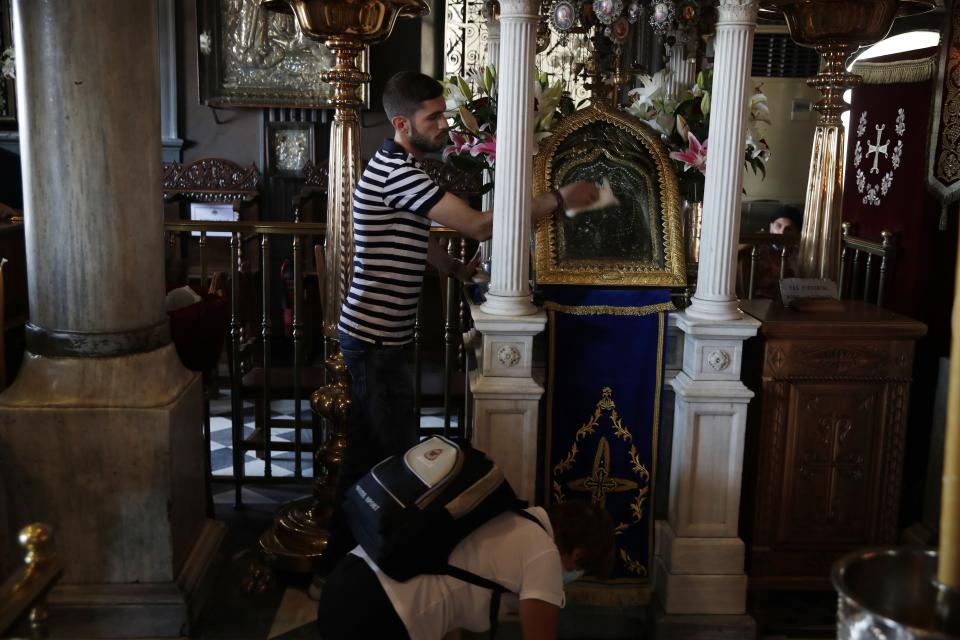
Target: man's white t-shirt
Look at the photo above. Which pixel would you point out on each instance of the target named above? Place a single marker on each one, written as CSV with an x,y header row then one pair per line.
x,y
509,549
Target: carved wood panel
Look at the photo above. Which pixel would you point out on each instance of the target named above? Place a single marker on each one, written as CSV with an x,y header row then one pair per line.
x,y
830,420
830,463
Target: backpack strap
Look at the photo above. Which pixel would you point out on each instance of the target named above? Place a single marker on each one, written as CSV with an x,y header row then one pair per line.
x,y
496,588
480,581
521,511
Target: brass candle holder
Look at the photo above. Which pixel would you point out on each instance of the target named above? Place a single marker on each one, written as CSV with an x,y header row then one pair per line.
x,y
836,29
299,534
300,531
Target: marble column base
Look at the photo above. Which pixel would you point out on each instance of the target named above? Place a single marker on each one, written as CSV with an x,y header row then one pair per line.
x,y
154,610
506,398
699,594
506,415
699,575
109,451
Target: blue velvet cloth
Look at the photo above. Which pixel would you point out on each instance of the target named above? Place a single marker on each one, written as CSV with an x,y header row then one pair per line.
x,y
605,374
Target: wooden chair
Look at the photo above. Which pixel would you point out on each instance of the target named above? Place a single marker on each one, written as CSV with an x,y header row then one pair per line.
x,y
206,181
200,259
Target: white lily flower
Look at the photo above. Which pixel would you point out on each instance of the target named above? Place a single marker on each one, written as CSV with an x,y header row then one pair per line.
x,y
454,97
9,67
759,111
205,43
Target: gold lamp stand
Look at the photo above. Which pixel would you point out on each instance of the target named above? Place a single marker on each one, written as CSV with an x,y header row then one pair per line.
x,y
300,528
299,534
835,28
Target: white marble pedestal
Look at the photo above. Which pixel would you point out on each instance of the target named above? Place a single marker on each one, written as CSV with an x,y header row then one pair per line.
x,y
506,399
698,556
109,451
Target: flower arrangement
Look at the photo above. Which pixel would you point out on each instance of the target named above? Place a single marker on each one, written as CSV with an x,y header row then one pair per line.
x,y
8,67
684,124
472,110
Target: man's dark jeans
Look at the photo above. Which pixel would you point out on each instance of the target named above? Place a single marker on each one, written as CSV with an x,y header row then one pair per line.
x,y
382,423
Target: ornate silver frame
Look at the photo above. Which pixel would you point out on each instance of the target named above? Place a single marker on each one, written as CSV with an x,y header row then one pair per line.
x,y
259,58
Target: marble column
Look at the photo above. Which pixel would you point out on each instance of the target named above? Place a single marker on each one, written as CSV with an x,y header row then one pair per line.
x,y
715,298
699,560
683,68
509,293
101,432
491,14
506,397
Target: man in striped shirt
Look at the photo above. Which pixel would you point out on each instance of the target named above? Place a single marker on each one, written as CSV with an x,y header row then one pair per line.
x,y
393,206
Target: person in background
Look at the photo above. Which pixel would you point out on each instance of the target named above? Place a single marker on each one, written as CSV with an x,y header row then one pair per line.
x,y
393,206
786,220
532,560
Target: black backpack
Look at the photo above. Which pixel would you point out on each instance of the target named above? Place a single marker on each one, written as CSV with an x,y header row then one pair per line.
x,y
411,510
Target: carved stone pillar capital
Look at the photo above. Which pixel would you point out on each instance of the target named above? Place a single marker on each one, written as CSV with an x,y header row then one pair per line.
x,y
511,9
737,11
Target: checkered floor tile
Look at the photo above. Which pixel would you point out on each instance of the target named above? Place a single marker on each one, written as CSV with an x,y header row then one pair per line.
x,y
282,463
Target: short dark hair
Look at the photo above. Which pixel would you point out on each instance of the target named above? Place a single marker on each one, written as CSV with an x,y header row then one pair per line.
x,y
577,523
405,92
790,212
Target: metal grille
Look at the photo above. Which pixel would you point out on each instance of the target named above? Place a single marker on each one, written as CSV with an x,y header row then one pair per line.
x,y
465,40
776,55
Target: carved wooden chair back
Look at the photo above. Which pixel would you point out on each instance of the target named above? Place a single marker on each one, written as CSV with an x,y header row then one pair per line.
x,y
211,180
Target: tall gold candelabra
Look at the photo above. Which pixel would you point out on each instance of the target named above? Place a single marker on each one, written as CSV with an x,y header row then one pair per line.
x,y
835,28
299,534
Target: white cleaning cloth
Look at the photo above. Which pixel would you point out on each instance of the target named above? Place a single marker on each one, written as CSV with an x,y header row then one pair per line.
x,y
605,199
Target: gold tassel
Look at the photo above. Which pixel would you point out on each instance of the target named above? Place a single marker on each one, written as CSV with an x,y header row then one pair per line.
x,y
895,72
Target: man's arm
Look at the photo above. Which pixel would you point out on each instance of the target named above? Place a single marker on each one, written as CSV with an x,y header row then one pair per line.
x,y
538,619
453,212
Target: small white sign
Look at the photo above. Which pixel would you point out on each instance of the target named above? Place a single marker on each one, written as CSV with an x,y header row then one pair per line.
x,y
215,213
793,289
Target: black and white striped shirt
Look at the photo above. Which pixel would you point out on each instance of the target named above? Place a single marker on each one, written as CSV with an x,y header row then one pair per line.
x,y
391,231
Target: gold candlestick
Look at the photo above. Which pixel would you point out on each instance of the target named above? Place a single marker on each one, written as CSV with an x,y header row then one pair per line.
x,y
835,28
299,534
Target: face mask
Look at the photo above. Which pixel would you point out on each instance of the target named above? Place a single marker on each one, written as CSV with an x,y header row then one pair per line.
x,y
570,576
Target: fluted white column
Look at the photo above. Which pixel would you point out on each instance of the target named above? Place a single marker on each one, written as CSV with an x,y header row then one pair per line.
x,y
699,558
509,293
492,16
715,298
683,69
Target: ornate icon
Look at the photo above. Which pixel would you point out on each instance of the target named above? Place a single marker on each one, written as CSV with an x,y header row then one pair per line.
x,y
607,10
619,30
662,18
563,16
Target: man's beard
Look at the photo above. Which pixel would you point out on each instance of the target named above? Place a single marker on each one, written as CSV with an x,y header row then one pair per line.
x,y
422,143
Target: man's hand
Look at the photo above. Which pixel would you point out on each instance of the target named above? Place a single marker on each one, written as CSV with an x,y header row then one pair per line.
x,y
577,195
463,271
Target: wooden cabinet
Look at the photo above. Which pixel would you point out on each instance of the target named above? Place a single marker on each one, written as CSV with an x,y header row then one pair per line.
x,y
825,434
